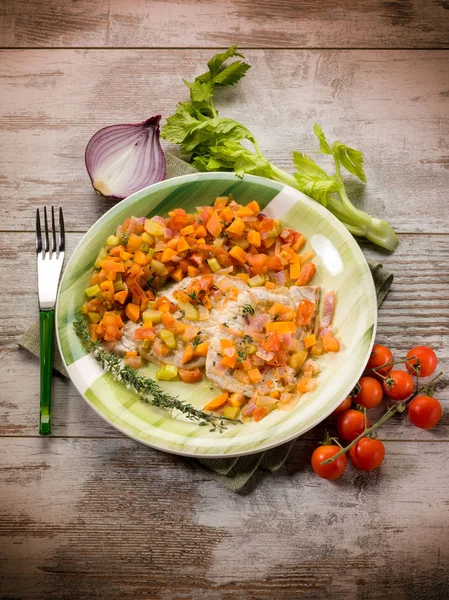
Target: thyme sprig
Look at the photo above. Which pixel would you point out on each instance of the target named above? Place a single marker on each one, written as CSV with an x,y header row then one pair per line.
x,y
148,390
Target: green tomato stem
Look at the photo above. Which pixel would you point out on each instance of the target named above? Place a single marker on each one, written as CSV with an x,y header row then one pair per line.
x,y
400,407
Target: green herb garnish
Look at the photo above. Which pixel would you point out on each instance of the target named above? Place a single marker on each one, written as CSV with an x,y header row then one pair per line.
x,y
248,310
196,341
247,339
148,390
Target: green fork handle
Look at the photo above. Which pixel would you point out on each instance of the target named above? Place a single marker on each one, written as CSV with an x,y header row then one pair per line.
x,y
47,326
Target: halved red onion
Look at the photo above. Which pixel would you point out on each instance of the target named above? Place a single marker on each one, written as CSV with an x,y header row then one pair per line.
x,y
122,159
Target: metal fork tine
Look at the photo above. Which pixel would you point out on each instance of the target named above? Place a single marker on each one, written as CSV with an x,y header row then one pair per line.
x,y
61,231
53,231
38,233
47,241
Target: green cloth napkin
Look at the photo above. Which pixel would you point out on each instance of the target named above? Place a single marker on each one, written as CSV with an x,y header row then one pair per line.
x,y
233,473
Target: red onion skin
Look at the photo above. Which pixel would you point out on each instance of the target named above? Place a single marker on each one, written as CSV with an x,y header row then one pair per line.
x,y
152,122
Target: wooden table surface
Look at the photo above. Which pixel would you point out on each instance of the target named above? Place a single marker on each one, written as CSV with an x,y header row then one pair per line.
x,y
89,513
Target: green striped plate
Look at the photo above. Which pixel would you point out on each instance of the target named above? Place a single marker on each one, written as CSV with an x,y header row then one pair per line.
x,y
341,266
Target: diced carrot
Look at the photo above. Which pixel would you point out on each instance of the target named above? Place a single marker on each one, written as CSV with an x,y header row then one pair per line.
x,y
305,312
253,238
238,254
260,412
168,319
330,344
268,242
299,242
110,264
132,311
119,321
201,349
294,259
254,375
141,258
206,301
110,333
192,271
270,285
243,276
237,227
267,224
257,261
172,243
236,399
168,254
201,232
275,394
111,275
227,215
277,308
295,271
107,286
182,245
244,211
109,319
220,202
217,402
254,207
309,341
177,274
281,327
188,354
116,250
187,230
275,263
134,362
304,385
125,255
192,376
307,272
213,225
145,333
121,296
224,343
229,361
134,241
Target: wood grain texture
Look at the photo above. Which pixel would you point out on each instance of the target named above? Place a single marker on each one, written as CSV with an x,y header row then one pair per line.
x,y
392,105
415,312
112,519
205,23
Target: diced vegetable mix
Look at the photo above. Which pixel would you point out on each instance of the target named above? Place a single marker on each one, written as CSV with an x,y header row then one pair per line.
x,y
227,238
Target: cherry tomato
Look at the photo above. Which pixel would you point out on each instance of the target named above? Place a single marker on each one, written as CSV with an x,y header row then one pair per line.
x,y
425,357
351,424
343,406
399,385
371,392
424,412
367,454
380,355
332,470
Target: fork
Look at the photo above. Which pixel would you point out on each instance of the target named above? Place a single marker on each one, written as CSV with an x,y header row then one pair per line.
x,y
49,266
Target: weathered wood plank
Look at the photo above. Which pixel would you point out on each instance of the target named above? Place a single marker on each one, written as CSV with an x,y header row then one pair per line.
x,y
415,312
392,105
91,519
204,23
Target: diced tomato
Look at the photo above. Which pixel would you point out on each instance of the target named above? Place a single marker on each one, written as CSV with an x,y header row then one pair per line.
x,y
192,376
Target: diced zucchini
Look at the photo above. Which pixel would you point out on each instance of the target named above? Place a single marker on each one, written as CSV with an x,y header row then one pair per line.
x,y
159,268
231,412
297,360
168,338
243,243
145,345
152,315
147,239
276,229
153,228
100,258
167,373
250,349
94,317
113,240
255,281
91,291
190,312
214,264
119,286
